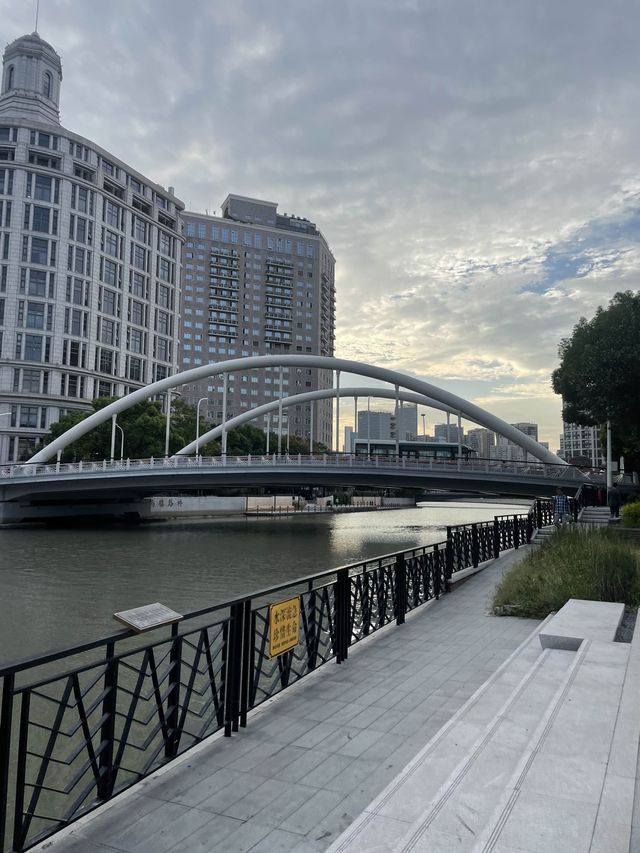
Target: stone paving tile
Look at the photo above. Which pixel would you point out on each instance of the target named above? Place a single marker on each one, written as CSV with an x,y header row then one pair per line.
x,y
311,761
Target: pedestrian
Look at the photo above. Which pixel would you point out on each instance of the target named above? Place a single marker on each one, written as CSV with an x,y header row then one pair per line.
x,y
561,508
614,499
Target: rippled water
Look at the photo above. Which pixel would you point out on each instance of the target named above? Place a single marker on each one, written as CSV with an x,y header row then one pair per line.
x,y
60,586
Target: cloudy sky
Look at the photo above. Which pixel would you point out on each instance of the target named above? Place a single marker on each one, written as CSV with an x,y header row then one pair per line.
x,y
475,166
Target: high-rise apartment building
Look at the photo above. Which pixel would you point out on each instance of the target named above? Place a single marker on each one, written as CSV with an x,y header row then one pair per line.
x,y
89,261
257,282
579,441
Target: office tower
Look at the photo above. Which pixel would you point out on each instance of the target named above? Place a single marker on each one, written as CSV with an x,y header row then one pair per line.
x,y
405,423
508,451
528,429
89,261
257,282
482,441
374,425
448,432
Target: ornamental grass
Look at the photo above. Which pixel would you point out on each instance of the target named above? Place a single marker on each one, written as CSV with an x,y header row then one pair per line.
x,y
591,564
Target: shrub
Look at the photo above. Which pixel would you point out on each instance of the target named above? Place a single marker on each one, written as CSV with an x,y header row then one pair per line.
x,y
596,565
631,514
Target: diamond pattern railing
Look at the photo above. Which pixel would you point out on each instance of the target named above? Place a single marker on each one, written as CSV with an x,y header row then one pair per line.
x,y
81,725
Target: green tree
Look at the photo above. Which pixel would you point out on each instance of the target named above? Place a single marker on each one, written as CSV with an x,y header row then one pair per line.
x,y
599,373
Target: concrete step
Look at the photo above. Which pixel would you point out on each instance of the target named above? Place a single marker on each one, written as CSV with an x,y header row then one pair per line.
x,y
447,760
542,758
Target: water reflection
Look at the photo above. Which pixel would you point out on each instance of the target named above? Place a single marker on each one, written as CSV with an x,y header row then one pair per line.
x,y
61,586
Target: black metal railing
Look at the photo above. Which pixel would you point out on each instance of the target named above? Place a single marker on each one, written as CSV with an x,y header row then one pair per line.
x,y
80,725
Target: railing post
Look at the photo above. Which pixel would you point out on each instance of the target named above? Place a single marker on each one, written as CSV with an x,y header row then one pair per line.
x,y
311,639
401,588
496,537
529,527
106,778
436,572
6,715
233,670
516,532
247,661
448,564
475,547
538,513
342,607
173,697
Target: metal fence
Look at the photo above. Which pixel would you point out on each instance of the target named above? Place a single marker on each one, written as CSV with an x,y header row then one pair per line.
x,y
82,724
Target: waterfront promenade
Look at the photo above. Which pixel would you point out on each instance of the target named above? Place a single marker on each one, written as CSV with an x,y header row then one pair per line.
x,y
312,759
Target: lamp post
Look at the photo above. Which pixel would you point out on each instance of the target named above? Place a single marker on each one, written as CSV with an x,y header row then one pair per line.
x,y
121,441
168,423
201,400
424,426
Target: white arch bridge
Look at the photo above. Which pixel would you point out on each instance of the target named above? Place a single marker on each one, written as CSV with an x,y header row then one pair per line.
x,y
28,489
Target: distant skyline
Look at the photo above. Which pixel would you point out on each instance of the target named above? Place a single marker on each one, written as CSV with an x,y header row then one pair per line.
x,y
474,166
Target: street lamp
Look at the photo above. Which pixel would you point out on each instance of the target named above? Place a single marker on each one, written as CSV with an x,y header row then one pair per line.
x,y
201,400
168,423
121,441
424,427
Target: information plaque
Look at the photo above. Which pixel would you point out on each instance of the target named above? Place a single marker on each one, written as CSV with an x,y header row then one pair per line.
x,y
141,619
284,626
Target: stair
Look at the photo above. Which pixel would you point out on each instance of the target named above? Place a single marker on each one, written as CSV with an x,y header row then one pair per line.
x,y
594,515
541,758
543,535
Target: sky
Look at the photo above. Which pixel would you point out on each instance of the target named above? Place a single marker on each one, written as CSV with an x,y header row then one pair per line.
x,y
473,164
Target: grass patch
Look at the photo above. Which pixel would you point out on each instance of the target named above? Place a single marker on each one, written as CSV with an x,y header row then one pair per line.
x,y
595,565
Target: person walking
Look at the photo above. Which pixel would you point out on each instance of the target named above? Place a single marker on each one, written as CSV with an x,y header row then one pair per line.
x,y
614,499
561,508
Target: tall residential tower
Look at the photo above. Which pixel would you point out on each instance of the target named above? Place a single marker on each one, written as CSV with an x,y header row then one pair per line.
x,y
89,261
257,282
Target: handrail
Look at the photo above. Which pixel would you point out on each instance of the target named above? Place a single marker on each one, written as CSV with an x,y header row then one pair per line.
x,y
112,719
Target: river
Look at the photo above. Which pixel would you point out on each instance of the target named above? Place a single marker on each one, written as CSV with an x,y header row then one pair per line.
x,y
61,586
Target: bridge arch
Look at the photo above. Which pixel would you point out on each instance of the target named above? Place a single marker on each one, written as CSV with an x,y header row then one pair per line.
x,y
308,397
467,409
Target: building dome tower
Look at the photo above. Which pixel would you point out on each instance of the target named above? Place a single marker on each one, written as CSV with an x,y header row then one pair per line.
x,y
31,78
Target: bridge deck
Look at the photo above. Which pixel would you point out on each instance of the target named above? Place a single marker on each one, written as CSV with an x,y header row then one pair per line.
x,y
312,759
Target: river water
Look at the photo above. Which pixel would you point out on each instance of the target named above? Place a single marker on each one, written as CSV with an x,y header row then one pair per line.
x,y
61,586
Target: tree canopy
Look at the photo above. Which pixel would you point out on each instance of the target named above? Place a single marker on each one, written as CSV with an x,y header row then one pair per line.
x,y
599,372
144,428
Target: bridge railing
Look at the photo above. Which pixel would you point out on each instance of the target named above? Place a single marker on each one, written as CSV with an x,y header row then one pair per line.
x,y
340,460
79,725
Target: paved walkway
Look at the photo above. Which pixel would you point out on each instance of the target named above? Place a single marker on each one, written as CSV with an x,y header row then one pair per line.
x,y
311,760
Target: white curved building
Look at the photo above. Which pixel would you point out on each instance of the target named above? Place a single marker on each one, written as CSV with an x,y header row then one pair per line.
x,y
89,261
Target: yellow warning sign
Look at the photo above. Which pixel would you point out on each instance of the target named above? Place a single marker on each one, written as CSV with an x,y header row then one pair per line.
x,y
284,626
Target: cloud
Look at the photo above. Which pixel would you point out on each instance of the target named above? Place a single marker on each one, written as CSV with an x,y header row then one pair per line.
x,y
474,166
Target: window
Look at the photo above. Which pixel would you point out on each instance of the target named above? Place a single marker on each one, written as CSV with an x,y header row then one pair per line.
x,y
136,312
33,347
36,315
29,416
161,349
135,340
139,257
47,85
191,229
165,243
74,353
164,269
107,301
84,173
110,272
77,291
108,168
39,251
80,229
46,161
138,285
42,189
10,76
134,368
139,229
106,361
32,380
163,296
110,243
41,217
75,322
113,214
6,181
82,199
105,389
107,331
163,323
